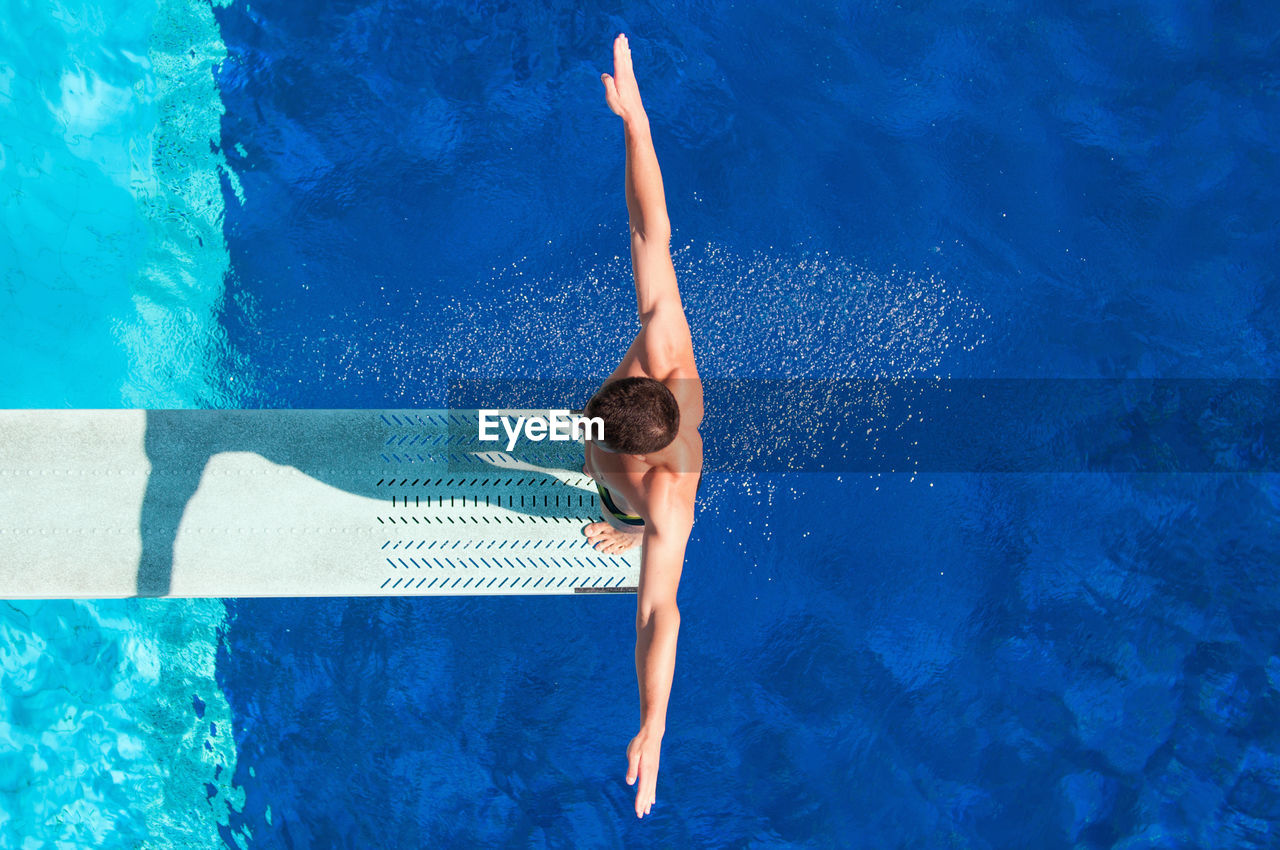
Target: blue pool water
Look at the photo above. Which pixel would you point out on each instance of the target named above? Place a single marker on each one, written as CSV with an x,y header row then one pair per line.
x,y
275,204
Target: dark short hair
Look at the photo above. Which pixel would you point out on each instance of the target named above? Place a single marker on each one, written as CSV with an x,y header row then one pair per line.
x,y
640,415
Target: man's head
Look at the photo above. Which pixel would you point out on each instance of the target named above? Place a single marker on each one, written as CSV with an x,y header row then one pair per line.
x,y
640,415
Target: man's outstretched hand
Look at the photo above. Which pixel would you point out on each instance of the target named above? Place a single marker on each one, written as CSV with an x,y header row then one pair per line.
x,y
642,762
621,90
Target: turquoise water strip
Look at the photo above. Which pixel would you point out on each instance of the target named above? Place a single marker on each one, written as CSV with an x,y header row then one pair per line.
x,y
113,731
110,206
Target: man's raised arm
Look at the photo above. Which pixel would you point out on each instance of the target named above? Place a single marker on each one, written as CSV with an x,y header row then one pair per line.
x,y
646,203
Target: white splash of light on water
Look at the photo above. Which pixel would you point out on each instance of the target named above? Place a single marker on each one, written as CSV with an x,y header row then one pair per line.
x,y
787,315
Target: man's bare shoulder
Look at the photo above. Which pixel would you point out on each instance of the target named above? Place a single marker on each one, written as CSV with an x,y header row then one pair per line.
x,y
669,499
686,385
670,488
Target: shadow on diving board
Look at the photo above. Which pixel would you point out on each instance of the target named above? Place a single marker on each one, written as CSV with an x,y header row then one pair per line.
x,y
237,503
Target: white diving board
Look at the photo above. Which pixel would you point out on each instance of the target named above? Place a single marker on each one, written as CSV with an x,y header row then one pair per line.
x,y
238,503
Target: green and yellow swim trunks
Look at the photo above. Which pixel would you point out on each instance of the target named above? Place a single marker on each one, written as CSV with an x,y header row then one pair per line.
x,y
606,499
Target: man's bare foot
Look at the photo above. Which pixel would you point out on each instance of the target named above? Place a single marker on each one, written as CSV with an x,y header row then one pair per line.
x,y
608,540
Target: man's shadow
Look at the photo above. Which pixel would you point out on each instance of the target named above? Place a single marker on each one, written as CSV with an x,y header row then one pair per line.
x,y
352,450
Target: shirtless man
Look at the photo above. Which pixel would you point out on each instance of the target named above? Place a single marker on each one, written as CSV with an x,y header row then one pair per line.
x,y
648,467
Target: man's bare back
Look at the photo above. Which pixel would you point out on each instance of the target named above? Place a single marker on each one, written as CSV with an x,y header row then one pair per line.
x,y
649,497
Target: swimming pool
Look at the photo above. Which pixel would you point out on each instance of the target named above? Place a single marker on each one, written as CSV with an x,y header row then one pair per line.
x,y
339,205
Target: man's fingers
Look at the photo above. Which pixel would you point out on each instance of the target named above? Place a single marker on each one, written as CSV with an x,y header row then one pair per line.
x,y
633,767
644,798
611,93
645,793
621,55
